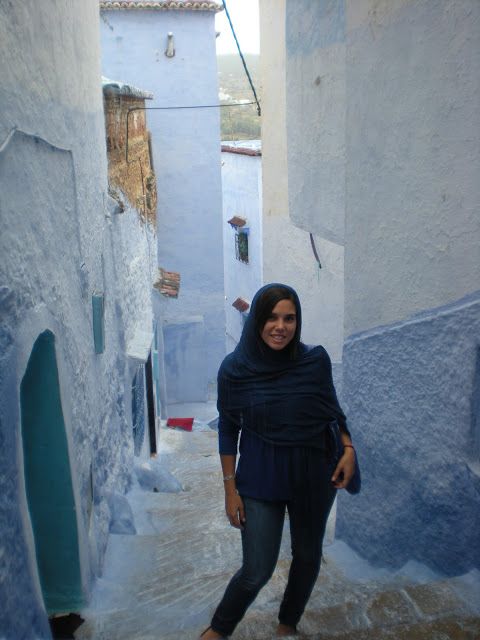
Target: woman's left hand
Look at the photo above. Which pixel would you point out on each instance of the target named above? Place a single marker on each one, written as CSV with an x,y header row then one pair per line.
x,y
344,469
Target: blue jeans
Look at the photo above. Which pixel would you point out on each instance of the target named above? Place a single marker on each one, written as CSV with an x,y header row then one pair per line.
x,y
261,538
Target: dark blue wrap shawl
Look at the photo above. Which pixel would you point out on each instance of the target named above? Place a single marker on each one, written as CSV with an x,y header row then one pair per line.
x,y
283,399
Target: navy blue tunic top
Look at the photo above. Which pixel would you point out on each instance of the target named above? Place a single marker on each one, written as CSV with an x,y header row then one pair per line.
x,y
266,471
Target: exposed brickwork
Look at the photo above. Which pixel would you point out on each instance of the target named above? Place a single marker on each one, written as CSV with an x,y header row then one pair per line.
x,y
168,283
135,178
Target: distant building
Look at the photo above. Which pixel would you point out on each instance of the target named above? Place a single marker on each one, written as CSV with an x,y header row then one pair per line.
x,y
242,231
76,315
169,47
380,152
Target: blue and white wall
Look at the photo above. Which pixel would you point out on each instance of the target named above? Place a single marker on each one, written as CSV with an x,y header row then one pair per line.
x,y
412,274
242,196
186,153
60,243
303,166
379,140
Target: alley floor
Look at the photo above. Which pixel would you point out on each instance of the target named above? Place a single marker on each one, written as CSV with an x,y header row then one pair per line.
x,y
164,582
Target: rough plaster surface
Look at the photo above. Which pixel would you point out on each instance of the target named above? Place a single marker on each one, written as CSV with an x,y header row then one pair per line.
x,y
409,396
287,252
186,155
242,196
412,178
58,246
320,290
411,123
315,76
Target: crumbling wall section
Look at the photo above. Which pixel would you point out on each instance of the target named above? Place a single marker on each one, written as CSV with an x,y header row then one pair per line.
x,y
130,166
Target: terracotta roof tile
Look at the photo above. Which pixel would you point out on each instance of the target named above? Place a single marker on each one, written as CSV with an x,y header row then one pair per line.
x,y
237,221
124,89
243,151
165,5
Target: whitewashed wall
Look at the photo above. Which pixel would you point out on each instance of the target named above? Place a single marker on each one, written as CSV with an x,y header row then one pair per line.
x,y
382,122
292,193
242,196
59,244
186,155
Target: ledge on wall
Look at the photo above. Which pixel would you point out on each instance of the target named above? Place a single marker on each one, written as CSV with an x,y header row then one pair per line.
x,y
240,304
138,348
237,222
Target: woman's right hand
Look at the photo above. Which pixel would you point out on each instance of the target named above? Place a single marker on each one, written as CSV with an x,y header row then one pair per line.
x,y
234,509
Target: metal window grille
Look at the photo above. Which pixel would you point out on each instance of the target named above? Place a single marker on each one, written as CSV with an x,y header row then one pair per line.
x,y
138,410
241,246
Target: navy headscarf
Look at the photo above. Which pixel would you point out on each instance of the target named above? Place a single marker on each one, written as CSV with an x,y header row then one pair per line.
x,y
286,397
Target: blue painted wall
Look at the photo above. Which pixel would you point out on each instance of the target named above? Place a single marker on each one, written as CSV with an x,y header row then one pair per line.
x,y
383,157
186,152
410,392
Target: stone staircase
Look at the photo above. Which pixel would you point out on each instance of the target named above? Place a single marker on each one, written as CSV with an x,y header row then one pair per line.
x,y
431,611
164,582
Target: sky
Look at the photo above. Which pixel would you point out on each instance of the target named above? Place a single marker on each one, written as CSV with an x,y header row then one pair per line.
x,y
244,15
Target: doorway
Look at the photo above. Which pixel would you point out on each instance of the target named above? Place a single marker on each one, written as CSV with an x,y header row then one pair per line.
x,y
48,481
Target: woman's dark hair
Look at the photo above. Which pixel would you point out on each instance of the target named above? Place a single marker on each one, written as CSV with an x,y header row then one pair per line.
x,y
263,310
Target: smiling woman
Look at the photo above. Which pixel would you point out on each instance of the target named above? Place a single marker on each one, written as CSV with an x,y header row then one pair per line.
x,y
279,395
279,329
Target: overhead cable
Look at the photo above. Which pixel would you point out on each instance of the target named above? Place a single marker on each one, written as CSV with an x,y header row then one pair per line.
x,y
259,111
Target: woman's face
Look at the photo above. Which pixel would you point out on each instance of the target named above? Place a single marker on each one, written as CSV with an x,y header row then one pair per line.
x,y
280,326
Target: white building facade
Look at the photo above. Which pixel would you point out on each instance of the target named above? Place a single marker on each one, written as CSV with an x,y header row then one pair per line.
x,y
242,223
75,286
169,47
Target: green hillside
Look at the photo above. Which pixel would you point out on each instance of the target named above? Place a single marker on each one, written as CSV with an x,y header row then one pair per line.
x,y
238,123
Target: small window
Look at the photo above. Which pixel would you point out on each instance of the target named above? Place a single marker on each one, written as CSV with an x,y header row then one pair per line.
x,y
241,246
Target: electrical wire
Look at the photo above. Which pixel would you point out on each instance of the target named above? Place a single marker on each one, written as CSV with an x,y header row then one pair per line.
x,y
315,253
195,106
259,110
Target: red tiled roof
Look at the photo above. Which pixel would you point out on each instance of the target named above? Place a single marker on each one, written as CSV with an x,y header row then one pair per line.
x,y
236,221
165,5
244,151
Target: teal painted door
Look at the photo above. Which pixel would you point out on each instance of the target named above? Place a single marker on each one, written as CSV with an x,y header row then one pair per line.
x,y
48,480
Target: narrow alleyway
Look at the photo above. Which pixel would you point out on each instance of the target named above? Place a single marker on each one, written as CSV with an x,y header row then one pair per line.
x,y
163,583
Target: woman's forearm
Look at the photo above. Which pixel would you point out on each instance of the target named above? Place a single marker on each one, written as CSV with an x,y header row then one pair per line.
x,y
228,468
346,439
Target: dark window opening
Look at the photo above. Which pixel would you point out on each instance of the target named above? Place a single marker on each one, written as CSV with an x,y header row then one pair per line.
x,y
241,246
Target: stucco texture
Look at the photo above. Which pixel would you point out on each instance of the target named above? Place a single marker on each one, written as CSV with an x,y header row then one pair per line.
x,y
410,394
186,158
315,75
59,245
290,190
242,196
413,165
